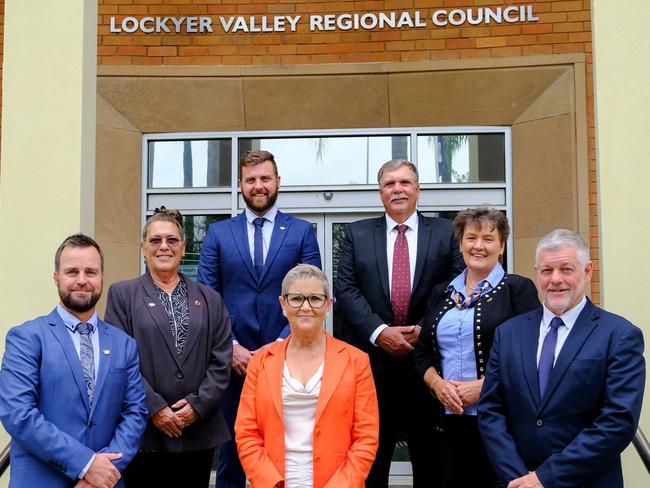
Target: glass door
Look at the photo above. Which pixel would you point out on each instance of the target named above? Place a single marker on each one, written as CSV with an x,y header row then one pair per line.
x,y
330,231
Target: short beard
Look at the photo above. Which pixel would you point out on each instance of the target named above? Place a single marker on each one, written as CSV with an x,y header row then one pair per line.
x,y
77,306
260,209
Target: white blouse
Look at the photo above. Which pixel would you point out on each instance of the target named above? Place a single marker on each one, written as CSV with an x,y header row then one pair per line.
x,y
299,412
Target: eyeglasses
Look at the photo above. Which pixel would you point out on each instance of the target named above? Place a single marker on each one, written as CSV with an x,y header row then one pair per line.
x,y
157,241
315,300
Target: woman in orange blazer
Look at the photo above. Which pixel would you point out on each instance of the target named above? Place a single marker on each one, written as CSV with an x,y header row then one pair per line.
x,y
308,412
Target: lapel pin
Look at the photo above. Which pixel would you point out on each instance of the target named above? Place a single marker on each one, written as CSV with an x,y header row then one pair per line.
x,y
151,304
197,303
283,227
106,352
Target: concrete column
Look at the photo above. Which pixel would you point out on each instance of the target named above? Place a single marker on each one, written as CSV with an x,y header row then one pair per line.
x,y
47,170
622,91
47,166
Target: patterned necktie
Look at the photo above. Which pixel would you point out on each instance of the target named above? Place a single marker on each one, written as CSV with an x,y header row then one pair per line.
x,y
400,296
87,357
258,245
547,356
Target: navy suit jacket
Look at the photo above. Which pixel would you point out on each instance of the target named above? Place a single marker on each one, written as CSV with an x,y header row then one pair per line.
x,y
574,434
252,302
44,403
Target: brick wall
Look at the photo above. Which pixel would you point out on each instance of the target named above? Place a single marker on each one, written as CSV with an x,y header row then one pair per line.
x,y
563,27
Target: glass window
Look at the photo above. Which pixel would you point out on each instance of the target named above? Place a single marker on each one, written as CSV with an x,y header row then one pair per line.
x,y
195,228
350,160
189,163
461,158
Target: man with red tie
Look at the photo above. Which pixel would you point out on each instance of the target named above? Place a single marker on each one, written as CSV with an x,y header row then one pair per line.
x,y
387,268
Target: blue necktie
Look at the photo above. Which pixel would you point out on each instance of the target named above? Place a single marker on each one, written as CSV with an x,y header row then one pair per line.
x,y
258,245
547,356
87,358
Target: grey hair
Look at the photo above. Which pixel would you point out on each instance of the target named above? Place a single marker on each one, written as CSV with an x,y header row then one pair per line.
x,y
304,272
394,164
560,238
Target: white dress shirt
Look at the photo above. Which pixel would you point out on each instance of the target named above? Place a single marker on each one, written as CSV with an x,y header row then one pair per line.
x,y
267,230
391,236
71,322
569,318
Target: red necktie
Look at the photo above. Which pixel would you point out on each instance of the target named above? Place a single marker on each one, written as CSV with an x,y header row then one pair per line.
x,y
400,295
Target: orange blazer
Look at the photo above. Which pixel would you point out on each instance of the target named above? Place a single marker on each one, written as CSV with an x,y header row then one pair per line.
x,y
346,427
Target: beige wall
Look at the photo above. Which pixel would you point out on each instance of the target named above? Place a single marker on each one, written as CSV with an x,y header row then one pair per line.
x,y
622,71
542,98
48,147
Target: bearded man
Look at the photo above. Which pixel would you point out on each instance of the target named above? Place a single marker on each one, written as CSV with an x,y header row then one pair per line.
x,y
71,395
245,259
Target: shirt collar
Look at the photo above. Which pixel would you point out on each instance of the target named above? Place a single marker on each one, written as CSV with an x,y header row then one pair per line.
x,y
569,317
270,215
411,222
495,276
71,321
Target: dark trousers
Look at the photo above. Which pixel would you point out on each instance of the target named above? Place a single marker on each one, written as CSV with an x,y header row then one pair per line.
x,y
189,469
405,409
230,473
463,459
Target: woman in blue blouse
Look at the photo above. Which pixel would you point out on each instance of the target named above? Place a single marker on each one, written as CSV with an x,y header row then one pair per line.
x,y
454,345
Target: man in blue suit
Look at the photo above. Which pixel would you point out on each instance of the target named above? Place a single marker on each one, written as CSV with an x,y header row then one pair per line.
x,y
245,259
71,396
564,384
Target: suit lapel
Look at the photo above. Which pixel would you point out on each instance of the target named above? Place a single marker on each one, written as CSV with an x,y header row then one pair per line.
x,y
529,339
273,366
240,236
60,332
581,330
424,240
335,365
106,353
280,231
154,307
381,255
196,307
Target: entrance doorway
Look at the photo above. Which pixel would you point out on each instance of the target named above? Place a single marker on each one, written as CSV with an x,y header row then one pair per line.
x,y
328,179
330,232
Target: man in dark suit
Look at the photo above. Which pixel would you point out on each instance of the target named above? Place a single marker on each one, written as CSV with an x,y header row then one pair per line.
x,y
387,268
71,395
245,259
564,384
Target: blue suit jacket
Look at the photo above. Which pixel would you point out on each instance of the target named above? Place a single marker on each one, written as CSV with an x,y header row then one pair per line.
x,y
573,436
252,301
44,405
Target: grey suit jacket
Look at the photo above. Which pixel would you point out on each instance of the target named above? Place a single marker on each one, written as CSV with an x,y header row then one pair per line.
x,y
200,374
